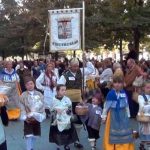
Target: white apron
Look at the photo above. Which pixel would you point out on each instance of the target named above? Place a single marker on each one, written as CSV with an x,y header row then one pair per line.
x,y
48,97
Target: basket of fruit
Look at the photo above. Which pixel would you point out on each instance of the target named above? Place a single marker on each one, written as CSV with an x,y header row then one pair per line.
x,y
81,110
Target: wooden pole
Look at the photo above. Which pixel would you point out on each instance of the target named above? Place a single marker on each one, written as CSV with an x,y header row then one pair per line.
x,y
83,45
120,48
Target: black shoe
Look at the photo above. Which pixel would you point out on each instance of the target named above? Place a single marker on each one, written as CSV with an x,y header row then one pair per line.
x,y
142,147
66,147
78,145
58,149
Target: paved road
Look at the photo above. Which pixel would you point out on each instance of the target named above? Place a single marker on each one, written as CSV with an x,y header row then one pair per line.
x,y
15,139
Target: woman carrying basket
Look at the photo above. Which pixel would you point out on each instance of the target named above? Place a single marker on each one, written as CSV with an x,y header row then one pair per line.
x,y
144,116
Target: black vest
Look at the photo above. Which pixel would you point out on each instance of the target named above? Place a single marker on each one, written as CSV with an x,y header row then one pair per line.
x,y
73,84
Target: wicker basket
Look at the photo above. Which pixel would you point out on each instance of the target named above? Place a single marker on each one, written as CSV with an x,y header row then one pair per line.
x,y
142,118
81,110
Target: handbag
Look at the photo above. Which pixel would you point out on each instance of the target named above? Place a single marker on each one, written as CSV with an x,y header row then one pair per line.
x,y
142,117
138,82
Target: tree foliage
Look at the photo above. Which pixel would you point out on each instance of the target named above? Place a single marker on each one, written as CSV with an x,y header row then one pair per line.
x,y
23,25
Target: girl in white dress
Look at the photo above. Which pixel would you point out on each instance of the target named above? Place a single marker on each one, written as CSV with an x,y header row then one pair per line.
x,y
62,131
144,108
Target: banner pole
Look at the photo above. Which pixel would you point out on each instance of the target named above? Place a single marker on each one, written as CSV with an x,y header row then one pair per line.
x,y
83,46
44,45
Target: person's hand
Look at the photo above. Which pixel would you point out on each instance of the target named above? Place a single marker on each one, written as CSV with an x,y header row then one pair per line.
x,y
59,111
54,83
3,100
125,84
103,120
30,120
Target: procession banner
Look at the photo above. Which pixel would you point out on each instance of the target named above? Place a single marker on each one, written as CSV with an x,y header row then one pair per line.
x,y
64,29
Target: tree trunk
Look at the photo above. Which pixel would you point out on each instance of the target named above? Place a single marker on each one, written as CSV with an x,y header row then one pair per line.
x,y
136,40
23,50
74,54
121,55
3,54
56,56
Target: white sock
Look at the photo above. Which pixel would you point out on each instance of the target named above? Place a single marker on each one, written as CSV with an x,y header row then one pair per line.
x,y
92,142
29,143
33,141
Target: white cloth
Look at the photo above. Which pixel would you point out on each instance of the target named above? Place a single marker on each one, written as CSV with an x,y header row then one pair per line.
x,y
56,72
2,134
143,107
89,69
93,75
62,119
32,105
106,75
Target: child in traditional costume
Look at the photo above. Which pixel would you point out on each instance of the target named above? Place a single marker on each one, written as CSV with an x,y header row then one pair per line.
x,y
32,112
93,119
62,132
118,133
144,111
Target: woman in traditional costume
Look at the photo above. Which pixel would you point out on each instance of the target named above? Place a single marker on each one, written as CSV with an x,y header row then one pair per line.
x,y
32,112
144,110
46,82
62,132
118,133
10,78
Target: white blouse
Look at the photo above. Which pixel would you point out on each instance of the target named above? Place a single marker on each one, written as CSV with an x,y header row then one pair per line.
x,y
143,105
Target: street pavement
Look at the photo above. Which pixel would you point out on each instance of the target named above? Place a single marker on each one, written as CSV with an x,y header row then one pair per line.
x,y
15,139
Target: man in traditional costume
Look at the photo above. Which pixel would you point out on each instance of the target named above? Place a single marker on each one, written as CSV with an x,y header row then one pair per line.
x,y
72,78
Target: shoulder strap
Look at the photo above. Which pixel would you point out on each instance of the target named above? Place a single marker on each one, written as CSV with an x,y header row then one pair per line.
x,y
145,98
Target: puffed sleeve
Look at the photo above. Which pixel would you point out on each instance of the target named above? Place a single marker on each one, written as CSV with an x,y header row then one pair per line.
x,y
40,81
89,69
141,102
23,115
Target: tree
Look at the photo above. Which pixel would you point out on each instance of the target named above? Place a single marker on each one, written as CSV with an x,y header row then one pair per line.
x,y
108,22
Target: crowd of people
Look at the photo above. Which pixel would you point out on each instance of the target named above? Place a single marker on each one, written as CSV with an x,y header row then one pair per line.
x,y
106,92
